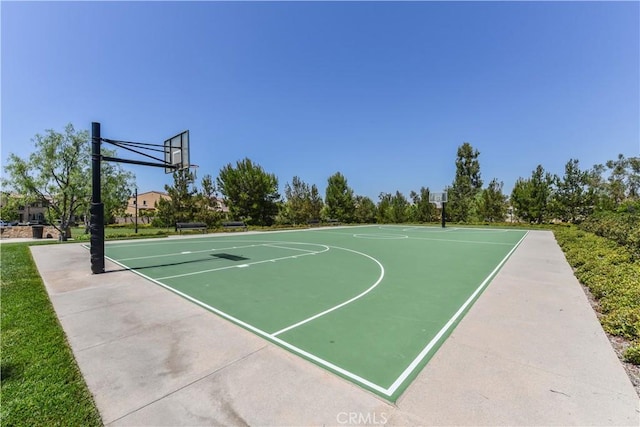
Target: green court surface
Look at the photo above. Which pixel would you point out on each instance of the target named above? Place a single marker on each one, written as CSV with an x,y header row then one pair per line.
x,y
371,303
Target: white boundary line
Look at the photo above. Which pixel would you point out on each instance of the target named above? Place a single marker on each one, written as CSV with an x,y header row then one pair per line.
x,y
414,364
385,391
260,332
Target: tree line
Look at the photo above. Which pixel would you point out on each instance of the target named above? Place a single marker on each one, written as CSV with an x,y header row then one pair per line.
x,y
58,171
252,196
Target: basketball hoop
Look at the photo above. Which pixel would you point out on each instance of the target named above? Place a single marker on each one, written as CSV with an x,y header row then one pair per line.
x,y
438,198
176,152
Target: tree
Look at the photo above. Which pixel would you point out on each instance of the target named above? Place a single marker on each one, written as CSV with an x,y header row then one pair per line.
x,y
531,197
316,203
182,205
302,202
521,199
399,208
365,210
617,184
599,188
8,207
339,199
56,173
492,206
573,200
116,188
422,210
250,192
207,209
384,208
466,185
624,178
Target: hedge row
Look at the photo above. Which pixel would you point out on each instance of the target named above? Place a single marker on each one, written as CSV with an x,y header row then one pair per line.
x,y
613,277
623,227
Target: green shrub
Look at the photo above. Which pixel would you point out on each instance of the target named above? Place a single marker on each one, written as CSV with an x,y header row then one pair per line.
x,y
622,227
632,354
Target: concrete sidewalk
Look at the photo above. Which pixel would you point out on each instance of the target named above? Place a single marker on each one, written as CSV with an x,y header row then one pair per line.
x,y
529,352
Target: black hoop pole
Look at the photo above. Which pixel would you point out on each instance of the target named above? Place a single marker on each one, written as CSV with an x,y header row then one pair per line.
x,y
96,224
443,220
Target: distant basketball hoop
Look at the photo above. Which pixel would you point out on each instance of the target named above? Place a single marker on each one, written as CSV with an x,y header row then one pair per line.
x,y
439,199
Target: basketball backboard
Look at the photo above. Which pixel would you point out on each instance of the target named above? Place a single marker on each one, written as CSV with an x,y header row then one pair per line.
x,y
438,198
176,152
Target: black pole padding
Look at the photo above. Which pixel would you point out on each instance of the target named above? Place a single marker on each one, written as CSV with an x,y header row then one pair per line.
x,y
443,220
96,224
97,237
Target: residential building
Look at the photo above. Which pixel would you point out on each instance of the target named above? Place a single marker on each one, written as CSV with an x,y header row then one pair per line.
x,y
146,202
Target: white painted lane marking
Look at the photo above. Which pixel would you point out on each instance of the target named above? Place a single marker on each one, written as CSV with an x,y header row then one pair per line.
x,y
357,297
286,247
188,252
193,273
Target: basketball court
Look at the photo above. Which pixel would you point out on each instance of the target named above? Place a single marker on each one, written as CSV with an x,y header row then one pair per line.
x,y
338,326
371,304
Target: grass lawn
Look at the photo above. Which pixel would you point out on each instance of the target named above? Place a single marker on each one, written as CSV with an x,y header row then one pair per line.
x,y
41,383
78,233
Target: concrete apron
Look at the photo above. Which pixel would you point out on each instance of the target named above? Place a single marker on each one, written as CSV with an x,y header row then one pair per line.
x,y
529,352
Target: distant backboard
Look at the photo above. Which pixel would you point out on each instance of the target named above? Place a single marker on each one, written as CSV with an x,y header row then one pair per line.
x,y
438,198
176,152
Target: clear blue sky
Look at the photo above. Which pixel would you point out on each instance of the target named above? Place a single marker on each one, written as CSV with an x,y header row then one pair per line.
x,y
382,92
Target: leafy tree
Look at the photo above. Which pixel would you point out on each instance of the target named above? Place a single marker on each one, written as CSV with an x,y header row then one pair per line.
x,y
207,209
393,208
384,208
521,199
182,204
399,208
599,188
617,184
633,178
250,192
624,178
422,210
316,204
116,188
531,197
339,199
302,202
492,205
466,185
573,200
365,210
9,207
57,172
209,189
